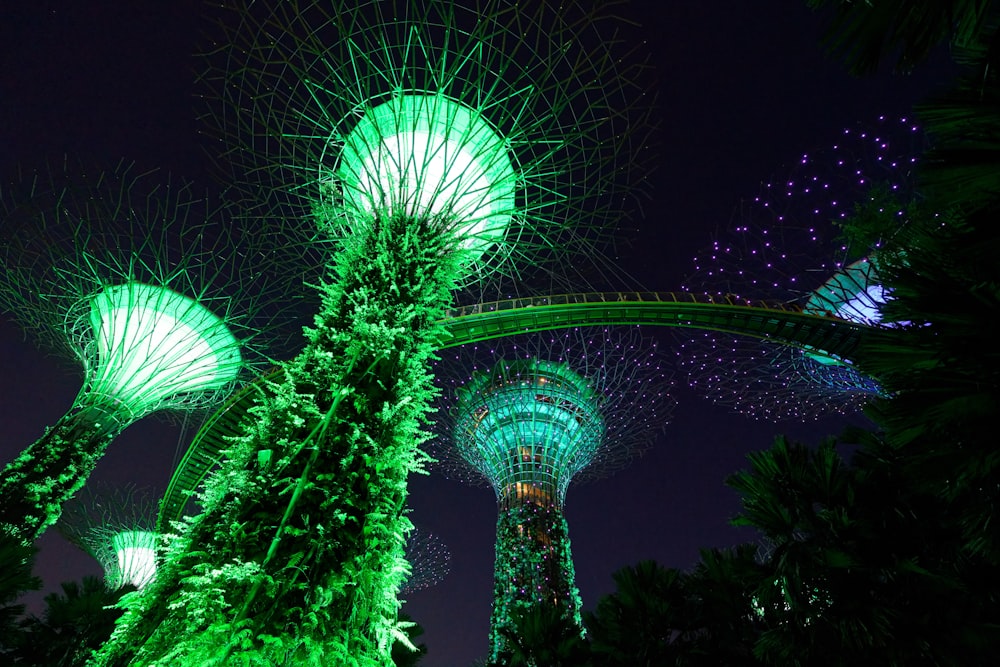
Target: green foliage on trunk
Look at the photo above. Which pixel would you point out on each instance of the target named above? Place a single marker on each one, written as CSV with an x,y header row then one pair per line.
x,y
298,555
534,568
35,485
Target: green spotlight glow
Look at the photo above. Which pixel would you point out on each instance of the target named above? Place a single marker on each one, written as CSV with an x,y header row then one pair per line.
x,y
427,155
135,551
153,343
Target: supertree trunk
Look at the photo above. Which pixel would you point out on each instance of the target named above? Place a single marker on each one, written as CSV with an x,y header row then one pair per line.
x,y
528,418
460,121
534,568
49,472
298,556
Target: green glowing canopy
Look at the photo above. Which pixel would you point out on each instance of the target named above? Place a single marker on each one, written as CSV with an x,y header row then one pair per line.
x,y
135,551
154,344
430,155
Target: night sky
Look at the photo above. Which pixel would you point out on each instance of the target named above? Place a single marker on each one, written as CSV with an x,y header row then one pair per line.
x,y
743,89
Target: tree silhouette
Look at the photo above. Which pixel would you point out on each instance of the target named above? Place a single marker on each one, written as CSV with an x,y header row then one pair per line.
x,y
865,34
403,655
74,622
542,636
639,623
16,561
719,591
891,557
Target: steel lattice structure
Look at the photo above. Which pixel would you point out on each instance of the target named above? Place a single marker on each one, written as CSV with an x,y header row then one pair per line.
x,y
785,245
145,285
528,416
116,527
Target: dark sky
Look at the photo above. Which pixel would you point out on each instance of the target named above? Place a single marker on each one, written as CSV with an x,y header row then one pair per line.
x,y
743,89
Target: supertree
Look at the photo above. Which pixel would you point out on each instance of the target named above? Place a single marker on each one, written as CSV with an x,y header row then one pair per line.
x,y
786,245
145,286
116,526
435,142
430,109
527,417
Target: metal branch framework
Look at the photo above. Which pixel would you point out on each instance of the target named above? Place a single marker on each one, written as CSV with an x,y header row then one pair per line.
x,y
164,301
785,245
524,122
529,415
429,560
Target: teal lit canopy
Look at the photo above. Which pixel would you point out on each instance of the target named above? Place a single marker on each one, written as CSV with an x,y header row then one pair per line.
x,y
154,344
529,426
428,155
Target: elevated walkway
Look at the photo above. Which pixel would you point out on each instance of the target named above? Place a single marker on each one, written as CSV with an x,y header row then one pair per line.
x,y
779,323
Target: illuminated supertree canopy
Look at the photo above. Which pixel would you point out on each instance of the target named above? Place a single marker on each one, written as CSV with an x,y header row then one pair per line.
x,y
482,110
396,127
140,283
116,526
528,416
785,246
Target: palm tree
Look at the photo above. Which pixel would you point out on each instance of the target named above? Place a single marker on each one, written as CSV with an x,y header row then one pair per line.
x,y
866,33
74,623
543,636
941,365
16,561
963,165
640,622
720,599
402,654
867,564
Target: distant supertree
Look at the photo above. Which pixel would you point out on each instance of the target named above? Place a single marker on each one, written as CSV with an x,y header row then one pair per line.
x,y
116,526
434,141
429,559
530,415
786,245
159,298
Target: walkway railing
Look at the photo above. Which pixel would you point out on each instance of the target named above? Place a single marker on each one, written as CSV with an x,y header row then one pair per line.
x,y
784,324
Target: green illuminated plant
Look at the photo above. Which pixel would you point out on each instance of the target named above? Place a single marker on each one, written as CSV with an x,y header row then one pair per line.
x,y
298,554
524,123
